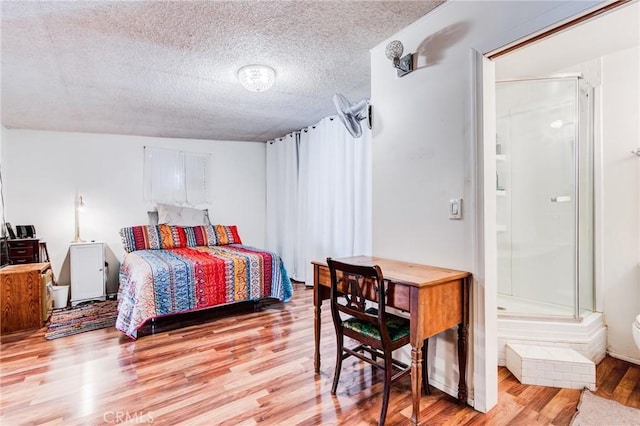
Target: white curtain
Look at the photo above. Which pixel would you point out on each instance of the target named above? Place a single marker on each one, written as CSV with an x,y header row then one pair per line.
x,y
319,196
337,169
282,199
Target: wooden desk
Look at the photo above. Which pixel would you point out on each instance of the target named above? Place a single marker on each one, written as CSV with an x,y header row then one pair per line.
x,y
435,298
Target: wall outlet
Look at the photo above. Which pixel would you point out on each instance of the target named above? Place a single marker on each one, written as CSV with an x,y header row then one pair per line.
x,y
455,208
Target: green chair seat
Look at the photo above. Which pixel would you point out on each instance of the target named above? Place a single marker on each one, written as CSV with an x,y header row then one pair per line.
x,y
397,327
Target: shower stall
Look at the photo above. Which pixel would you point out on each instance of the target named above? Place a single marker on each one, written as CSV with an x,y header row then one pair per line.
x,y
545,198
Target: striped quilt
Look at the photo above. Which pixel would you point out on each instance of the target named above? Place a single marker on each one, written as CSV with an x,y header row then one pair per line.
x,y
155,283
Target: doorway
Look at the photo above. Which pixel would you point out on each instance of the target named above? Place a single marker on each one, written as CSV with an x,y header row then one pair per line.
x,y
610,65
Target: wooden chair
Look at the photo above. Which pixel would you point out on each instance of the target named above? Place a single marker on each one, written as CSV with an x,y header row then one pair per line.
x,y
377,332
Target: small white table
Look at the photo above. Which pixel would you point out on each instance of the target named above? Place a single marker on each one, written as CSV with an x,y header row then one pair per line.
x,y
87,272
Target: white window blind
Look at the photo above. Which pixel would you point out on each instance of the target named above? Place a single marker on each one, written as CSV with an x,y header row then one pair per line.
x,y
172,176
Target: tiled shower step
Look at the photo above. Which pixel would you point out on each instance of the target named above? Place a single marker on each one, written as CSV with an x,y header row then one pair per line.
x,y
550,366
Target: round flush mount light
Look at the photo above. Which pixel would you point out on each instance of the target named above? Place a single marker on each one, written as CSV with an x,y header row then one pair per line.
x,y
257,78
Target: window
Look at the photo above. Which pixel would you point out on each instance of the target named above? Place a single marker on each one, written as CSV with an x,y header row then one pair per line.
x,y
175,176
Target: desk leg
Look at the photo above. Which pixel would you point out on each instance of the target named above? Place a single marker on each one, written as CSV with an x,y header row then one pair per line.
x,y
317,305
316,329
462,362
416,381
463,337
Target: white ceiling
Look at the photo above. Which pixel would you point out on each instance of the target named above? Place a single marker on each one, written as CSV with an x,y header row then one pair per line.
x,y
168,69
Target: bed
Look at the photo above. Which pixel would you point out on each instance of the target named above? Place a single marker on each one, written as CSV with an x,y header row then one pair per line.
x,y
169,270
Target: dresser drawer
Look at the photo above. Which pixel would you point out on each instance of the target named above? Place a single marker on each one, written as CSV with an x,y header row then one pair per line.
x,y
24,251
21,243
22,260
21,251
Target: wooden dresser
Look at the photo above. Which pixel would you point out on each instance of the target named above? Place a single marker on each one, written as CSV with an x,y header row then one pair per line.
x,y
25,296
24,250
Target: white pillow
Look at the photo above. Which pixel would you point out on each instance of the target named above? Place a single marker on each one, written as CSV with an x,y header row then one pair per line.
x,y
181,216
152,215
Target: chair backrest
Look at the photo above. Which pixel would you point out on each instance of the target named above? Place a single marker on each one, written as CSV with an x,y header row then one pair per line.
x,y
352,285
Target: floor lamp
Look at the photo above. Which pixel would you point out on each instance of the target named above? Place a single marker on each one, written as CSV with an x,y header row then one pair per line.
x,y
79,206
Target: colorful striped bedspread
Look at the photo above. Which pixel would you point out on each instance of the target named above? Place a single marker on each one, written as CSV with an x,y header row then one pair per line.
x,y
155,283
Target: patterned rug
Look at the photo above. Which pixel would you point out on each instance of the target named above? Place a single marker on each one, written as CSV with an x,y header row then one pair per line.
x,y
68,321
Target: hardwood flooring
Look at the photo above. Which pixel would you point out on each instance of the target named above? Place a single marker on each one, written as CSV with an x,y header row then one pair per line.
x,y
252,368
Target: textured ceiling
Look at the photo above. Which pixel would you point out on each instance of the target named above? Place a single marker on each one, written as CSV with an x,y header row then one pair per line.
x,y
168,69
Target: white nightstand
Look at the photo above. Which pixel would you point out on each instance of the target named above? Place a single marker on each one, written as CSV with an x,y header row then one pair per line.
x,y
87,272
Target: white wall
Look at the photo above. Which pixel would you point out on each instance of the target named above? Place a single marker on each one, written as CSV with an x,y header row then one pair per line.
x,y
2,137
423,155
41,171
621,199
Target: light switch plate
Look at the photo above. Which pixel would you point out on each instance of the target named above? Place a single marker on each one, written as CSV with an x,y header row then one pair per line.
x,y
455,208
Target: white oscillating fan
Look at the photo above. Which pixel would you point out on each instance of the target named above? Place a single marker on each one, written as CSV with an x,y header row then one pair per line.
x,y
352,113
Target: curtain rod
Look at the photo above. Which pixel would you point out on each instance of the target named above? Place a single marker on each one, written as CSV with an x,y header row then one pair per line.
x,y
304,129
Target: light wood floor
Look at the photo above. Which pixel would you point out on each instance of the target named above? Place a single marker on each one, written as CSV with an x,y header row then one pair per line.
x,y
242,370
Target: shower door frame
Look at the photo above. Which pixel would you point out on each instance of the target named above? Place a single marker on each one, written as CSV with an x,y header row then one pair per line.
x,y
577,77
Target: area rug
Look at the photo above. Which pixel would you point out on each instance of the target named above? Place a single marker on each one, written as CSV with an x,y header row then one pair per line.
x,y
597,411
79,319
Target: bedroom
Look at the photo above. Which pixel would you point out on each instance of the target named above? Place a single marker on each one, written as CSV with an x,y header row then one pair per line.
x,y
107,163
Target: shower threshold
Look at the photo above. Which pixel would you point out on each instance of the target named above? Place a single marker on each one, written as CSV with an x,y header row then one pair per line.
x,y
513,305
587,337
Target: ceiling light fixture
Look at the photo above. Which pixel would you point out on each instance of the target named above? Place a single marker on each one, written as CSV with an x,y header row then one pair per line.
x,y
257,78
394,51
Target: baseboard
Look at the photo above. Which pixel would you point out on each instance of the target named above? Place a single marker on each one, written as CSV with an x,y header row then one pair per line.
x,y
624,357
437,383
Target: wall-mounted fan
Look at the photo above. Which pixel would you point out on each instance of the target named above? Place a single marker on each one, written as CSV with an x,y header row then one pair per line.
x,y
352,113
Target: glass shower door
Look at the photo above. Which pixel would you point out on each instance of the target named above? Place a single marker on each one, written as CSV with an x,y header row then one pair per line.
x,y
536,196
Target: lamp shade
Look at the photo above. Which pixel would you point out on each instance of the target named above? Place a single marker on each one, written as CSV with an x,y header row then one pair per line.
x,y
394,49
257,78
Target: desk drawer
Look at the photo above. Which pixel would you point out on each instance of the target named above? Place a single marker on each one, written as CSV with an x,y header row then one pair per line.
x,y
398,296
323,278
